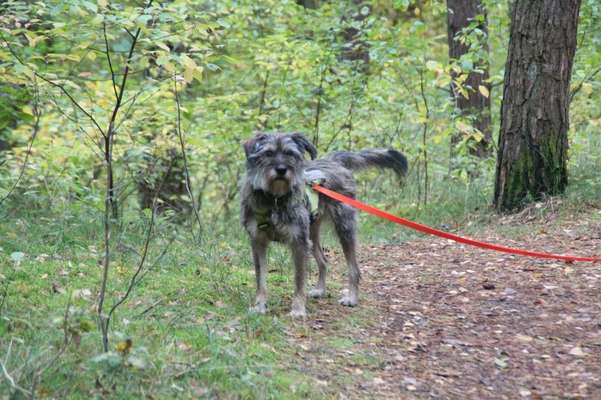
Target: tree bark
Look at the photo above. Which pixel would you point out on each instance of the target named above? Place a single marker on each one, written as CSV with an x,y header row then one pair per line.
x,y
533,143
310,4
471,103
355,48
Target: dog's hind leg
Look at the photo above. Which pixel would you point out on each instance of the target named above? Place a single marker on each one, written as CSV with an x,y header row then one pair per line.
x,y
320,288
259,250
345,222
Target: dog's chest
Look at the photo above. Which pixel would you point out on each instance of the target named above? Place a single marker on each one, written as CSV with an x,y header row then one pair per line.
x,y
280,225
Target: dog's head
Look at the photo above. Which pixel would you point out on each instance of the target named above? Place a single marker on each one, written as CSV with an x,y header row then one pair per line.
x,y
274,162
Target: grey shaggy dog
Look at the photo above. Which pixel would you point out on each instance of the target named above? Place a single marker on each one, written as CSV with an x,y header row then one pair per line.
x,y
274,207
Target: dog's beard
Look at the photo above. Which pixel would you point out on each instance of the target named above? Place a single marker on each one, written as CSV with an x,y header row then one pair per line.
x,y
279,187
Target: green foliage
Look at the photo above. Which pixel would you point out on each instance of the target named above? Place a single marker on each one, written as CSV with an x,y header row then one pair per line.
x,y
238,66
187,331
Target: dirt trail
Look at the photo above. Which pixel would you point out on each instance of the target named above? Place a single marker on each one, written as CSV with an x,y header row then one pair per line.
x,y
440,320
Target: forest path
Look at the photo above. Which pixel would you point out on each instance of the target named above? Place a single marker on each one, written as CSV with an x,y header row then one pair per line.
x,y
442,320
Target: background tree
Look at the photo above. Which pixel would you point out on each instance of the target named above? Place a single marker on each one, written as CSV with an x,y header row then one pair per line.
x,y
203,76
311,4
355,48
533,141
467,33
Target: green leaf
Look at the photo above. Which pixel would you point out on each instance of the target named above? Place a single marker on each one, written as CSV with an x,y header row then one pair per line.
x,y
483,91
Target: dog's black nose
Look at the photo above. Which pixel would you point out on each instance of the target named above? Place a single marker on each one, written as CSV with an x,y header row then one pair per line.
x,y
281,170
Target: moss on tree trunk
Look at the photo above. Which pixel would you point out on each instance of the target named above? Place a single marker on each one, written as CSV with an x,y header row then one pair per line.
x,y
533,143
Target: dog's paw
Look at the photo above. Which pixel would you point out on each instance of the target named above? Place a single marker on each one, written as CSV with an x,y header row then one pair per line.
x,y
349,301
298,313
317,293
298,308
259,308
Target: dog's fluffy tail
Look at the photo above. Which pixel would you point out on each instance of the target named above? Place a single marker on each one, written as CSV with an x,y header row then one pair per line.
x,y
381,158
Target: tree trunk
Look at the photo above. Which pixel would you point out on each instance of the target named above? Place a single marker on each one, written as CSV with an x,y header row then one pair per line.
x,y
471,102
167,174
533,141
355,48
310,4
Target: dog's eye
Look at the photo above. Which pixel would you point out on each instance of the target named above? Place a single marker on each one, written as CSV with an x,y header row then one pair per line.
x,y
289,153
268,153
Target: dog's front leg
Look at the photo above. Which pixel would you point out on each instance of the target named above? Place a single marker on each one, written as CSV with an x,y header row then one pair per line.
x,y
259,249
299,253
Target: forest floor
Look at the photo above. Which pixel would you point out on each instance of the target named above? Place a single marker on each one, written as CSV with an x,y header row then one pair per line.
x,y
442,320
436,320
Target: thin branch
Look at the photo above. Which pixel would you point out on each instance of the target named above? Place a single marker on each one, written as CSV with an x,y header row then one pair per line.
x,y
132,101
57,85
182,144
410,90
93,144
318,106
262,100
12,382
110,131
75,103
147,309
134,279
36,129
157,260
108,58
128,32
110,204
424,134
585,79
126,72
348,122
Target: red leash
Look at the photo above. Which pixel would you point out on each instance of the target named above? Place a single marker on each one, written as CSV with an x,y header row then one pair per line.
x,y
426,229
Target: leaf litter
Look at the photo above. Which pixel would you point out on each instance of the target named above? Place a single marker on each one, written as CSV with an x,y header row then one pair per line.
x,y
442,320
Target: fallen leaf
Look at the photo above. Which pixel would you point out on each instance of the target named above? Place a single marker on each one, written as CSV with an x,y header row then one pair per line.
x,y
577,351
523,338
525,392
124,346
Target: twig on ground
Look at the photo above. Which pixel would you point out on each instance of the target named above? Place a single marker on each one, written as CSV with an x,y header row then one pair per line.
x,y
12,382
150,307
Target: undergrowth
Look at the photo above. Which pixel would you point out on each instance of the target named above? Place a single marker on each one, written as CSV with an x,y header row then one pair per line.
x,y
186,332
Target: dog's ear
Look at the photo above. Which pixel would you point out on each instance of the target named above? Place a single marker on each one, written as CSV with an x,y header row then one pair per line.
x,y
304,144
250,146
